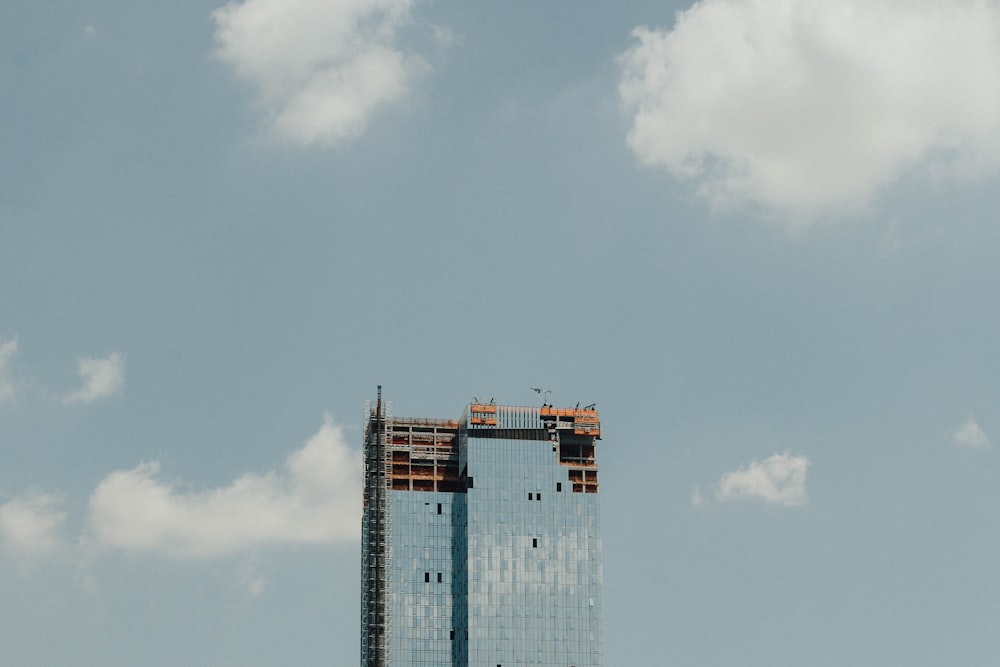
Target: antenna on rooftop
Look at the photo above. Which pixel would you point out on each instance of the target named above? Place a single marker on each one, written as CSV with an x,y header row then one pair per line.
x,y
545,394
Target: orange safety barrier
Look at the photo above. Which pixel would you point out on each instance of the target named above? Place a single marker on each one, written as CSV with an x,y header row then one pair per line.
x,y
486,421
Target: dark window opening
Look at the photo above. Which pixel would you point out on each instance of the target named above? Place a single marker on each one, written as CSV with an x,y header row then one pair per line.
x,y
531,496
534,542
427,577
469,484
538,496
439,577
452,635
439,508
558,486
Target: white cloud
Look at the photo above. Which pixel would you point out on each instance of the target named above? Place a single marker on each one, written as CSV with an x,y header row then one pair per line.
x,y
779,479
320,68
970,434
101,377
314,499
8,387
808,108
30,524
249,580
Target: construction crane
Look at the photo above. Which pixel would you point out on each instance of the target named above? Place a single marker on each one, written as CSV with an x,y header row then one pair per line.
x,y
545,394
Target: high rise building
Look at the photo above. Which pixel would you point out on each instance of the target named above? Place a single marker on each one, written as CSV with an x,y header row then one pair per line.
x,y
481,538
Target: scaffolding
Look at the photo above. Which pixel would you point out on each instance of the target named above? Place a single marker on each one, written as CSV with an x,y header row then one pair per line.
x,y
376,536
574,433
423,455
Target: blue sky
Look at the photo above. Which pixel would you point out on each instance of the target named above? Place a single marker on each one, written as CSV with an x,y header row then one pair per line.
x,y
761,236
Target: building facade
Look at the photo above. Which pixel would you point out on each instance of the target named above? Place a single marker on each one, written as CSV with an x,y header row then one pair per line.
x,y
481,539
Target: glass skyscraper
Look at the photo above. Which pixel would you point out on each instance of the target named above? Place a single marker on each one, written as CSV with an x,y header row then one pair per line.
x,y
481,539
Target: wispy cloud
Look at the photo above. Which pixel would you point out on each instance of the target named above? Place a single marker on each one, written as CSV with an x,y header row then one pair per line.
x,y
779,479
805,110
320,68
30,524
8,386
101,377
969,435
249,580
314,499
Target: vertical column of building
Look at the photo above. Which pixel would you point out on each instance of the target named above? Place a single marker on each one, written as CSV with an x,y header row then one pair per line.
x,y
424,580
376,523
533,538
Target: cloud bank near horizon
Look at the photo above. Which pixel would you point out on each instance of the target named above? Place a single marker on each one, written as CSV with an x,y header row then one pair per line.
x,y
314,498
807,111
